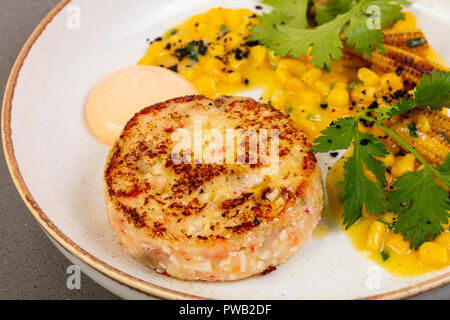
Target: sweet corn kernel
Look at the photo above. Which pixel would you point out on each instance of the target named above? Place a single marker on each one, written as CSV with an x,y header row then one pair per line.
x,y
281,75
403,164
213,67
295,67
188,73
398,245
322,87
231,40
155,51
294,85
176,41
389,217
338,98
368,76
234,63
312,75
310,98
273,58
340,85
363,94
408,23
375,236
206,86
216,15
216,50
309,127
423,124
233,18
363,128
234,78
388,160
278,99
444,239
391,82
446,226
258,55
433,253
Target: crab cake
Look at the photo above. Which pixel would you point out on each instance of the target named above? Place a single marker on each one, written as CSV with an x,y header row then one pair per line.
x,y
213,221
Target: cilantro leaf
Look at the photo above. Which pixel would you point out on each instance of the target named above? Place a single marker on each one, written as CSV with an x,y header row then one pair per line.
x,y
324,39
285,31
359,36
328,11
384,255
422,206
293,11
285,12
359,191
337,136
433,91
443,172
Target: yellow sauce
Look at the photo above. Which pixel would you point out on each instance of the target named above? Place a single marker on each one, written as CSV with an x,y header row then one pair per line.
x,y
119,96
320,232
401,260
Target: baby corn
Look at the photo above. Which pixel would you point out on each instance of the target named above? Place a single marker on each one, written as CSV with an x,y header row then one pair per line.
x,y
439,122
410,40
430,145
411,66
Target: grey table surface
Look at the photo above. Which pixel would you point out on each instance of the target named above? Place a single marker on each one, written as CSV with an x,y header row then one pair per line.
x,y
30,266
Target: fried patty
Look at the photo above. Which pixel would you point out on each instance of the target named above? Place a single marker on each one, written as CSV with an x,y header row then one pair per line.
x,y
201,220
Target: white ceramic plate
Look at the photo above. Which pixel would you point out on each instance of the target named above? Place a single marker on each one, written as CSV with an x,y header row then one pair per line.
x,y
57,164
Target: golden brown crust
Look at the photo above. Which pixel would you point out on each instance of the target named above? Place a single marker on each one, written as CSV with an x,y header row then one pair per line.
x,y
146,141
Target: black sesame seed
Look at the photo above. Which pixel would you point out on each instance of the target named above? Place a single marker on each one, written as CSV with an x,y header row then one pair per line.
x,y
399,70
251,43
238,54
255,222
364,142
373,105
334,154
324,106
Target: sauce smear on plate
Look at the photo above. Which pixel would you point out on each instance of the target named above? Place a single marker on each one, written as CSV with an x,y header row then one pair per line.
x,y
120,95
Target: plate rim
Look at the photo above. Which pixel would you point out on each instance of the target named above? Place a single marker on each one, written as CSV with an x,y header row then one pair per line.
x,y
97,264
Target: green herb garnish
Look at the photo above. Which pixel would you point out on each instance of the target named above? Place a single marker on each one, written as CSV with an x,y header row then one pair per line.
x,y
354,84
384,255
224,29
192,52
285,29
387,224
416,42
412,127
289,110
170,32
418,199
